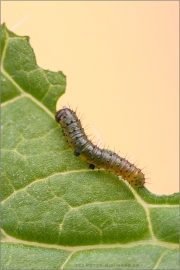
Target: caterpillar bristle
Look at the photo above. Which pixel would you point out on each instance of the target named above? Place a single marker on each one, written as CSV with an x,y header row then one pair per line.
x,y
69,106
126,156
136,164
148,182
81,117
146,173
86,127
76,108
143,168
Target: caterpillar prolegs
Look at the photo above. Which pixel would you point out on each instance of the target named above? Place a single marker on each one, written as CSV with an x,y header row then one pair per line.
x,y
93,155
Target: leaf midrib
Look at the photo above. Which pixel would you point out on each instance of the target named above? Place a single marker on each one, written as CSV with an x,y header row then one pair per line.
x,y
169,246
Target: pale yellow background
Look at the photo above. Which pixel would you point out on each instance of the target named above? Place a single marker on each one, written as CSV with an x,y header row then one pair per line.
x,y
121,63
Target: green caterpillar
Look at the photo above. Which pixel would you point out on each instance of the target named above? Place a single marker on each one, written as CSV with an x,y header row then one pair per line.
x,y
93,155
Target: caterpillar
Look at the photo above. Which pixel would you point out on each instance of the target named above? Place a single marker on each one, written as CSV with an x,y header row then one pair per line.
x,y
92,154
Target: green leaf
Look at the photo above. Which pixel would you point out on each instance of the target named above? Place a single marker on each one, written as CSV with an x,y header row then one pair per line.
x,y
57,213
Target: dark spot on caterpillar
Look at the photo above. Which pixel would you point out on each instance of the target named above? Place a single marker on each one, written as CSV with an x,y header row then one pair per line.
x,y
77,152
110,161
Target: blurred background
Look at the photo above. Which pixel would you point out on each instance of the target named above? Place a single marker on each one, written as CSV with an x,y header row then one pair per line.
x,y
121,60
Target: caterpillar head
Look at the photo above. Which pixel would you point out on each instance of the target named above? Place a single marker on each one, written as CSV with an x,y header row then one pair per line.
x,y
61,113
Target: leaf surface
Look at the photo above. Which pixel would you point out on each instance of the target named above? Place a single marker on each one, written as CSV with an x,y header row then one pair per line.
x,y
57,213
